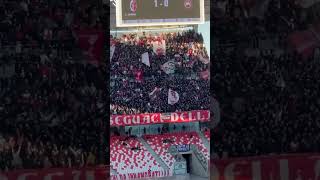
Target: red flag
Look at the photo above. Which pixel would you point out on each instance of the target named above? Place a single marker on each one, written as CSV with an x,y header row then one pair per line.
x,y
91,42
190,52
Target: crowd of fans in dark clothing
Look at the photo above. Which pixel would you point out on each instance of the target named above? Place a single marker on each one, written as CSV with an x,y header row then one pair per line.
x,y
132,81
268,93
51,100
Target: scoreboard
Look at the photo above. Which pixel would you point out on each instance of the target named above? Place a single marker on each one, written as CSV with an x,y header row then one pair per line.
x,y
159,12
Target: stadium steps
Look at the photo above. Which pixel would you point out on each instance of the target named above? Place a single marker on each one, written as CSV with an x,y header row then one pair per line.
x,y
202,160
204,140
154,154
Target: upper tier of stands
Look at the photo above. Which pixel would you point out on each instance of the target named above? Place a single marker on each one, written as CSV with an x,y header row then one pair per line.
x,y
132,80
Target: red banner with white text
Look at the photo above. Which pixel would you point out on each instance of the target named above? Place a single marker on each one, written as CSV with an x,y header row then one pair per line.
x,y
156,118
100,173
281,167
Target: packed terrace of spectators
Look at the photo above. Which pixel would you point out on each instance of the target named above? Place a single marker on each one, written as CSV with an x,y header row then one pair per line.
x,y
132,81
51,100
268,88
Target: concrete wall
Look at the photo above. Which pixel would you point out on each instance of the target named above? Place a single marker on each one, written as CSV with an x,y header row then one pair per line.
x,y
196,167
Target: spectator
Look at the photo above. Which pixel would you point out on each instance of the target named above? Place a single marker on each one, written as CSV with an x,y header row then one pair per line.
x,y
41,81
264,87
137,87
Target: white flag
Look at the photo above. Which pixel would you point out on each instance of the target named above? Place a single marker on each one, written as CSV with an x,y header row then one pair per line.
x,y
154,93
169,67
173,97
159,47
112,49
145,59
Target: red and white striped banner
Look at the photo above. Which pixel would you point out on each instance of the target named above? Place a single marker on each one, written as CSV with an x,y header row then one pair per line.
x,y
157,118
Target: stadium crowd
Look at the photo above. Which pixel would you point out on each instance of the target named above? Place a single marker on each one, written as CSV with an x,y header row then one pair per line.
x,y
51,100
133,81
264,86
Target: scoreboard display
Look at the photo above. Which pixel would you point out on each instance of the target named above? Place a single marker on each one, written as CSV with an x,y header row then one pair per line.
x,y
159,12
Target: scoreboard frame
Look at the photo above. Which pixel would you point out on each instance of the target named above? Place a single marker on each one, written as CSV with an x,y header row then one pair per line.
x,y
119,20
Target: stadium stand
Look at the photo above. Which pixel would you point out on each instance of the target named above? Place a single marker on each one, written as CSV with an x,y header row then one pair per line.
x,y
266,78
161,148
131,156
132,81
51,99
139,87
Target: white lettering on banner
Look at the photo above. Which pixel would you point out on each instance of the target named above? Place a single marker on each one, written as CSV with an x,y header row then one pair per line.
x,y
201,118
182,116
146,119
191,117
25,175
165,117
50,175
136,119
117,120
141,175
153,118
174,117
125,120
